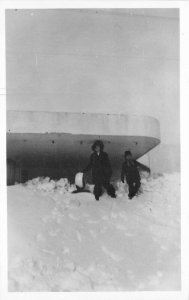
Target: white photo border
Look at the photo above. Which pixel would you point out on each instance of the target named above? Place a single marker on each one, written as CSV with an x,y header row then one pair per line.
x,y
184,100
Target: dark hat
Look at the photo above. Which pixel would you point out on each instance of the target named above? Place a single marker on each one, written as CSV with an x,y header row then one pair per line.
x,y
98,143
128,152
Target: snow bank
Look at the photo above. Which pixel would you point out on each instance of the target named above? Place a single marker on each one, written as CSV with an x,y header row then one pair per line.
x,y
48,185
59,241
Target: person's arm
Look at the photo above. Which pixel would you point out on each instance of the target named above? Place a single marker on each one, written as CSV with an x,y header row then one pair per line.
x,y
89,166
123,172
142,167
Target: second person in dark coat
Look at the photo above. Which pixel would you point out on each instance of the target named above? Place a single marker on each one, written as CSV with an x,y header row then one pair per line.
x,y
130,171
100,165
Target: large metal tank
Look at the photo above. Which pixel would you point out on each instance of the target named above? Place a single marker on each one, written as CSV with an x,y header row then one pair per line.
x,y
59,144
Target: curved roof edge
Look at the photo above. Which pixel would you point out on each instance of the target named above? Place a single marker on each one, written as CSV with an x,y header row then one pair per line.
x,y
82,123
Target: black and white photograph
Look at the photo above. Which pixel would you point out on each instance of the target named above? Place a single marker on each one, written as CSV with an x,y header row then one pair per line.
x,y
93,149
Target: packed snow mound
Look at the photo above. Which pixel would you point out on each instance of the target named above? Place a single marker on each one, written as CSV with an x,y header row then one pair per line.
x,y
60,241
45,184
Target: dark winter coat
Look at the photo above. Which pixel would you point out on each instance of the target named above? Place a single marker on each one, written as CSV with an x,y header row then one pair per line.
x,y
130,171
100,166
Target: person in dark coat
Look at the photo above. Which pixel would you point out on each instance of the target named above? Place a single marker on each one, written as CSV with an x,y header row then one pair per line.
x,y
130,171
100,165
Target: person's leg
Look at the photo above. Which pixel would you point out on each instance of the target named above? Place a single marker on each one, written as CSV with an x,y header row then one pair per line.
x,y
110,189
133,188
97,190
137,186
130,185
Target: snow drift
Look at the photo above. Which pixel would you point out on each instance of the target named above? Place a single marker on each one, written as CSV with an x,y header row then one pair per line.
x,y
59,241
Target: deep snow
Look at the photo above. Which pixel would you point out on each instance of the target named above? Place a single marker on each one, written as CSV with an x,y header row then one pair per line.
x,y
58,241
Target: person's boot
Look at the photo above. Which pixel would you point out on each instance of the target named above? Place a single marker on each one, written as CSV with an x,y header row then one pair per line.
x,y
97,198
111,192
113,196
130,196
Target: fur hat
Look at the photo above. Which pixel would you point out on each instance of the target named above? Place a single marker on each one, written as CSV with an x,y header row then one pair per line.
x,y
128,152
98,143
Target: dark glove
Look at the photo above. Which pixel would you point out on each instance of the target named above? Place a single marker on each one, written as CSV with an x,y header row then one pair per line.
x,y
148,170
122,180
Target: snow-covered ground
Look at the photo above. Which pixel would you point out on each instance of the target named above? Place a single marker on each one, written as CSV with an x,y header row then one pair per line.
x,y
58,241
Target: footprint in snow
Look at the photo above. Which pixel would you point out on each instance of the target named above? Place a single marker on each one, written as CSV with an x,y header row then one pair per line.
x,y
105,218
123,216
93,233
103,230
130,274
65,250
79,237
59,220
113,215
40,237
128,234
45,219
48,251
69,265
164,248
120,227
85,215
111,254
159,274
73,217
124,228
53,232
92,222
